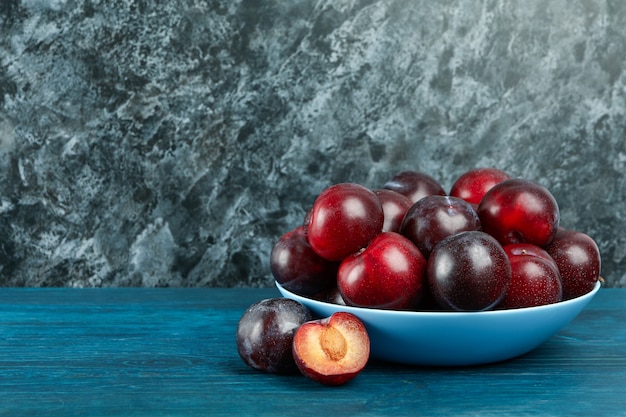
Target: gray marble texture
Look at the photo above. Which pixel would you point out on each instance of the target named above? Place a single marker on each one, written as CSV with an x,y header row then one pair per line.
x,y
170,143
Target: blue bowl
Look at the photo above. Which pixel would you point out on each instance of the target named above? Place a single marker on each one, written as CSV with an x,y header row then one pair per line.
x,y
455,338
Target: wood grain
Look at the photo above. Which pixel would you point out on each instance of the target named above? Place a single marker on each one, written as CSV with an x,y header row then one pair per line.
x,y
171,352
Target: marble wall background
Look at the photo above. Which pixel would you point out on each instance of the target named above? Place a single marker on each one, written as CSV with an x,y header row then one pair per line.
x,y
169,143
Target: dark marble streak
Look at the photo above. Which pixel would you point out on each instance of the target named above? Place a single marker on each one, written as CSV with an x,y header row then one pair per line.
x,y
169,143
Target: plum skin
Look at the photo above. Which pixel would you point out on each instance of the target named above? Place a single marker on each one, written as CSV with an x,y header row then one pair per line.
x,y
519,210
265,334
436,217
343,219
388,274
578,259
468,271
535,278
472,185
395,206
298,268
415,185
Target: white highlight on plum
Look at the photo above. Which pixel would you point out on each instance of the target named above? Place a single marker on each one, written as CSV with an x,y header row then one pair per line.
x,y
256,331
481,257
577,255
444,265
532,269
532,203
451,219
354,274
285,326
354,207
396,260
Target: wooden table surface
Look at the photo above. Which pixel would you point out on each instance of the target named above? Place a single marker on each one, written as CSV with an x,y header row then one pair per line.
x,y
172,352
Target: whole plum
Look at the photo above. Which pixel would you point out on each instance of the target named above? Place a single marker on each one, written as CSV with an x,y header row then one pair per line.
x,y
469,271
265,334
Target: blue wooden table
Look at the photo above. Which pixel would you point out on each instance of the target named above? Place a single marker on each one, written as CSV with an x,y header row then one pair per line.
x,y
172,352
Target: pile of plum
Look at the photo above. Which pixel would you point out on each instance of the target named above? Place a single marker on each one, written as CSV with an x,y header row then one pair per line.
x,y
492,242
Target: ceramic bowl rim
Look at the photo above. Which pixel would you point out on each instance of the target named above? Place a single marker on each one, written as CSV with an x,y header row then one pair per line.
x,y
424,314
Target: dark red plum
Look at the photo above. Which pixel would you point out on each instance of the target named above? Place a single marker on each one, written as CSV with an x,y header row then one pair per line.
x,y
518,210
265,334
388,274
468,271
343,220
334,296
436,217
415,185
472,185
298,268
535,278
395,206
516,249
578,259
